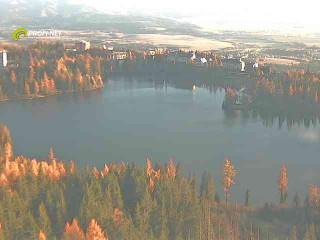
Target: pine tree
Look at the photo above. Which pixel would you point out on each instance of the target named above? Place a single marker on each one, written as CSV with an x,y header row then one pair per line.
x,y
27,89
316,98
291,90
13,77
79,79
247,199
31,75
294,234
207,187
163,222
296,200
36,88
306,235
44,221
312,232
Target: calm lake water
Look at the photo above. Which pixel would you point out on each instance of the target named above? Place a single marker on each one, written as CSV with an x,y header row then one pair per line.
x,y
130,120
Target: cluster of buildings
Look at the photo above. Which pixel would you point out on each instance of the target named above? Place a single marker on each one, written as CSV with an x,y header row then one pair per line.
x,y
231,63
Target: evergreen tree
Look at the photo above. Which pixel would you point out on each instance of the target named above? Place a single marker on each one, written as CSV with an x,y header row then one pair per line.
x,y
27,89
228,175
73,231
312,232
306,235
294,234
283,185
44,221
247,200
296,200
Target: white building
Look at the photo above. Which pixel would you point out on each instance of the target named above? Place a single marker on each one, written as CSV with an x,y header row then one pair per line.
x,y
3,58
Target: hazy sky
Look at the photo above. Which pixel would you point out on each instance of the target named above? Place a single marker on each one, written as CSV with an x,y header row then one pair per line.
x,y
205,12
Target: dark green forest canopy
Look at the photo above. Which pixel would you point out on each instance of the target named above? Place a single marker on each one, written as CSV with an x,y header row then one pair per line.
x,y
122,201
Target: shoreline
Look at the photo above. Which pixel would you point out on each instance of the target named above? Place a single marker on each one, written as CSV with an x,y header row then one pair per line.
x,y
46,96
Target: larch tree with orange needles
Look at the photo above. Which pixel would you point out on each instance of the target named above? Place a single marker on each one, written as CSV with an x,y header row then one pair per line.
x,y
73,231
229,174
313,195
95,232
283,185
42,236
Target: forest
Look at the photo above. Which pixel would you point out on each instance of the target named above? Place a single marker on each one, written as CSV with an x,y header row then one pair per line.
x,y
52,199
44,68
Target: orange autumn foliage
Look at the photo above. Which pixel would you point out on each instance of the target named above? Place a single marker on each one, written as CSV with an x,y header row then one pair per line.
x,y
20,165
283,180
229,173
73,231
118,217
95,172
42,236
112,167
105,171
95,232
151,184
149,167
313,195
3,180
152,174
171,170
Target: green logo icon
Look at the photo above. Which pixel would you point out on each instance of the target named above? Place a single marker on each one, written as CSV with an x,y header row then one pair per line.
x,y
19,33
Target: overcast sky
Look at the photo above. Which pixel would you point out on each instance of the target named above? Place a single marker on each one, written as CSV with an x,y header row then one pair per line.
x,y
205,12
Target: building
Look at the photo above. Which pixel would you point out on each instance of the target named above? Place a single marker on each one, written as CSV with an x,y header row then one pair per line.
x,y
119,55
82,46
3,58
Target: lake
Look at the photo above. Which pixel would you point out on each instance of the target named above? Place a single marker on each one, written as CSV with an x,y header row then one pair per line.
x,y
130,120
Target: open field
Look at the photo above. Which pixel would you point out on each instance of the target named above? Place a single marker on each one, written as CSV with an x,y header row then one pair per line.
x,y
183,41
280,61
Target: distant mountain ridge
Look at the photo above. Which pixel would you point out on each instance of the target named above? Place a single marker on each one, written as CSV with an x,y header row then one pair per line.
x,y
63,15
41,8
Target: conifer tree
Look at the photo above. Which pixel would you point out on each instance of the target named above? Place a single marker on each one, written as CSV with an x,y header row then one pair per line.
x,y
229,173
94,231
13,77
42,235
44,221
294,234
283,185
296,202
1,233
306,235
36,88
313,195
27,89
73,231
312,232
247,199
